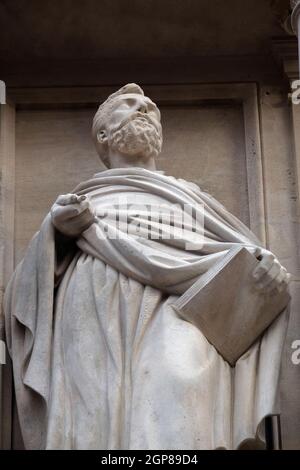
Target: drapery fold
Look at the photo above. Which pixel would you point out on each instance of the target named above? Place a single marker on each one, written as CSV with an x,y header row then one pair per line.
x,y
33,318
165,263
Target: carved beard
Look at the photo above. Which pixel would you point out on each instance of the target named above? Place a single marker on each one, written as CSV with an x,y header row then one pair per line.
x,y
138,136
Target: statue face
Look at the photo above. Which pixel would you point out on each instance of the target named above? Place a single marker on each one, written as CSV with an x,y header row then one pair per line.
x,y
127,106
133,127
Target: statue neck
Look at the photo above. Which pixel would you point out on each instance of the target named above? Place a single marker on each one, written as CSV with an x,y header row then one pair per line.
x,y
118,160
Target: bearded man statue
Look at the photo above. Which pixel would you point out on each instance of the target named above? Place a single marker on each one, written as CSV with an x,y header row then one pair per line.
x,y
101,360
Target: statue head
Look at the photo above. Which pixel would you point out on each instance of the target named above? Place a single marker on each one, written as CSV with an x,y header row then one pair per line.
x,y
127,124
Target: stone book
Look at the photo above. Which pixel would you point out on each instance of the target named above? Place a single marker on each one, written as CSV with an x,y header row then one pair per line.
x,y
227,307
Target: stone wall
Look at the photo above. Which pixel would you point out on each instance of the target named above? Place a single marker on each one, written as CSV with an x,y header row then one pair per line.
x,y
238,141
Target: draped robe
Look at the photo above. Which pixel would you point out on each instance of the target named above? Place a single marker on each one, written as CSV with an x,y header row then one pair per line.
x,y
102,361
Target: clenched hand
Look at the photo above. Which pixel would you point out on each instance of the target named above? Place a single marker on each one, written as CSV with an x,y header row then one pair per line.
x,y
269,273
72,214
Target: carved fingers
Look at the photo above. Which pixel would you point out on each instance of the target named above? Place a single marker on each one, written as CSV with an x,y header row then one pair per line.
x,y
270,274
66,199
72,214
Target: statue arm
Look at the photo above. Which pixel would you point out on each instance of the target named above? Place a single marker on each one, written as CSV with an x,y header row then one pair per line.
x,y
70,215
269,274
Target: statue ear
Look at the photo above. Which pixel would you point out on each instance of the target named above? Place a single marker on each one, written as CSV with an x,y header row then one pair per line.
x,y
102,137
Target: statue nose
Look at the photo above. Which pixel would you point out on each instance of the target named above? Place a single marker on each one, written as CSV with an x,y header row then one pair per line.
x,y
142,109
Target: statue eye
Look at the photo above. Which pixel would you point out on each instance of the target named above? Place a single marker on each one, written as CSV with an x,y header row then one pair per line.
x,y
123,106
130,102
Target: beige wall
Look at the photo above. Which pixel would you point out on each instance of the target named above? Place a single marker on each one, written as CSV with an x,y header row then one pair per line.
x,y
54,151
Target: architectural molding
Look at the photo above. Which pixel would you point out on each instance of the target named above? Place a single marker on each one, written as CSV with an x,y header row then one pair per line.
x,y
285,51
176,70
295,4
282,11
7,205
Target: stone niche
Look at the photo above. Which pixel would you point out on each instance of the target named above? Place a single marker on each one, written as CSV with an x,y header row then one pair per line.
x,y
231,139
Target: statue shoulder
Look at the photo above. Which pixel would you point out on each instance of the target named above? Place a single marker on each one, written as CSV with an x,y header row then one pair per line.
x,y
190,184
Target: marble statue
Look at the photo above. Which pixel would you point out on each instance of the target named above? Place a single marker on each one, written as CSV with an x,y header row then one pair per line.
x,y
101,359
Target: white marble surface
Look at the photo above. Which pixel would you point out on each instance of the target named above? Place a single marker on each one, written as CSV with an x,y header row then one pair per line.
x,y
116,367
